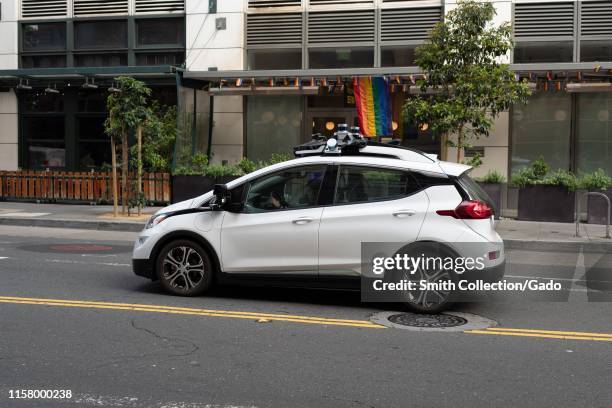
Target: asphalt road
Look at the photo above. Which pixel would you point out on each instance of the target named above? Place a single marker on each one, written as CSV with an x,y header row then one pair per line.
x,y
75,318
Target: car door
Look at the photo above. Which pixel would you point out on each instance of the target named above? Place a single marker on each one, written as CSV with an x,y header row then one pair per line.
x,y
371,204
277,229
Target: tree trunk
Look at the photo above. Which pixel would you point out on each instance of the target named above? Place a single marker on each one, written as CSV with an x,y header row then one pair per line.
x,y
444,147
139,187
114,164
124,172
459,143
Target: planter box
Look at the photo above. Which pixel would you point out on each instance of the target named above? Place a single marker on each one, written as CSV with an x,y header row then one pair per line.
x,y
546,203
188,187
597,209
494,191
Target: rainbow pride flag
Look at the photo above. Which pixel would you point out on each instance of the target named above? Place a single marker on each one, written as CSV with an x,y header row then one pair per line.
x,y
373,106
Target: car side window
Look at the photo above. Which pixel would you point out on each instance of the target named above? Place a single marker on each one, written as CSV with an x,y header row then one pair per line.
x,y
288,189
357,184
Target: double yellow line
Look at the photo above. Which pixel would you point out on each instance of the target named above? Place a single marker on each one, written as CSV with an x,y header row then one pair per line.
x,y
546,334
269,317
259,317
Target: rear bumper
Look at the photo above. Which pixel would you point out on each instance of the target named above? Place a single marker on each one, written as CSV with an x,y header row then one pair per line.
x,y
144,268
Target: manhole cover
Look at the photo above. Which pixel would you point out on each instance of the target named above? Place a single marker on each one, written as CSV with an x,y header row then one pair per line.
x,y
443,322
419,320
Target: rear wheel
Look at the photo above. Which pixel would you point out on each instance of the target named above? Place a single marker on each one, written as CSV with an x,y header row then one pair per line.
x,y
433,284
184,268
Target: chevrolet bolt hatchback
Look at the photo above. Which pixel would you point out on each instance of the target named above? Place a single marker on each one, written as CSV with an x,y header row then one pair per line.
x,y
302,222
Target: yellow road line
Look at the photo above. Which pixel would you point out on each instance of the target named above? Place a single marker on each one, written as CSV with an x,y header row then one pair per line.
x,y
189,311
571,333
549,335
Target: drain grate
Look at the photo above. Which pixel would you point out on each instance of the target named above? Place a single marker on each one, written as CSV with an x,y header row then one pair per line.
x,y
443,322
427,321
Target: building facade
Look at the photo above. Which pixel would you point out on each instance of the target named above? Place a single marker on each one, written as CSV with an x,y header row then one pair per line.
x,y
256,77
58,60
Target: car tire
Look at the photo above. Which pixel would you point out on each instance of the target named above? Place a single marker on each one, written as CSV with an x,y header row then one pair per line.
x,y
184,268
427,301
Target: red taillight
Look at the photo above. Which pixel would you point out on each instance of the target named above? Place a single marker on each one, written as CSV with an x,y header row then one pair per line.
x,y
471,210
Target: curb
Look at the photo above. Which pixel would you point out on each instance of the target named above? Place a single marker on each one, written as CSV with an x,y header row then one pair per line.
x,y
559,246
100,225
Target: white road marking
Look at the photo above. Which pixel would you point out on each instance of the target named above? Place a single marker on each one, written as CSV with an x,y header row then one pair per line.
x,y
23,214
70,261
4,257
125,402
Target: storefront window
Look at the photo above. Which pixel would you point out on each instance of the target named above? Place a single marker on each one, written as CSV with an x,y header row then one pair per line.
x,y
274,125
93,143
398,56
534,52
341,57
45,143
100,34
44,37
166,31
600,50
275,59
594,130
542,128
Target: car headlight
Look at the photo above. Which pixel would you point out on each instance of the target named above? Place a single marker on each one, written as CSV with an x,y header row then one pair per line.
x,y
154,220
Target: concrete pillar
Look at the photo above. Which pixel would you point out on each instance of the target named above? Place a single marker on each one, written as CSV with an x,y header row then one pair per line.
x,y
209,47
8,100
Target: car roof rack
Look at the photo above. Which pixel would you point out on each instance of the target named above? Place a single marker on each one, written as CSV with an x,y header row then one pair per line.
x,y
345,142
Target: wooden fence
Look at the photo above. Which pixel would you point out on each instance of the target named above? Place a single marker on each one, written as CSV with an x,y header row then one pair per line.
x,y
78,186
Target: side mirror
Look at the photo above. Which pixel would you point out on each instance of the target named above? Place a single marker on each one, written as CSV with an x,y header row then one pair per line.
x,y
221,195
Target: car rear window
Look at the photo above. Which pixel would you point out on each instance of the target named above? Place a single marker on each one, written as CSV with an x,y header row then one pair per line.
x,y
473,190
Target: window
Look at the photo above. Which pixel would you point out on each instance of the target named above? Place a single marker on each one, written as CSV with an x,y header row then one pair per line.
x,y
286,190
542,128
594,127
361,57
93,143
365,184
44,37
43,61
45,142
534,52
398,56
591,51
100,34
275,58
160,32
100,60
274,125
160,58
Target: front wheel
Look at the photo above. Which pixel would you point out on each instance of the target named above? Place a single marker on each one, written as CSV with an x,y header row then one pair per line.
x,y
184,268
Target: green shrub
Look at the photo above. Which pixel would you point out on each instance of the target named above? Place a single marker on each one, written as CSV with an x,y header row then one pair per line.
x,y
474,161
597,180
562,178
492,177
540,168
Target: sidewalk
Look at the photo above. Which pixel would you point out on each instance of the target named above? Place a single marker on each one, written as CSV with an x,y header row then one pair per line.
x,y
98,217
516,234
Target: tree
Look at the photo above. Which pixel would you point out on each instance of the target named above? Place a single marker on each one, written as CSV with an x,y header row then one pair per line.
x,y
465,85
128,113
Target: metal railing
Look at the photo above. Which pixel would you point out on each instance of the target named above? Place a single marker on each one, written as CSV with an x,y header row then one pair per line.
x,y
596,194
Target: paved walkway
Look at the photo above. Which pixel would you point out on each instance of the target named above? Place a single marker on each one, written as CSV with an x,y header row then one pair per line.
x,y
515,233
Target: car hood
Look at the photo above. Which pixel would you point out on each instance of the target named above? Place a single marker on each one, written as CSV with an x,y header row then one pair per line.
x,y
182,205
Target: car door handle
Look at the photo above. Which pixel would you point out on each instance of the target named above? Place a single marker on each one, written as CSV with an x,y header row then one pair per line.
x,y
303,220
404,213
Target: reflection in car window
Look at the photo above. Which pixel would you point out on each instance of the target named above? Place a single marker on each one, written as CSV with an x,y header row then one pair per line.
x,y
286,190
363,184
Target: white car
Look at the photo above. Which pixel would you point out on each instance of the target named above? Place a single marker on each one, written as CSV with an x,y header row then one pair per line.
x,y
303,221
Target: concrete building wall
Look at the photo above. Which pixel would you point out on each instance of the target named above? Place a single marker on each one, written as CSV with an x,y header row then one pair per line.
x,y
8,100
208,47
